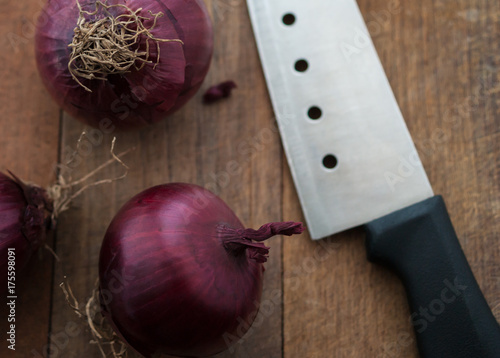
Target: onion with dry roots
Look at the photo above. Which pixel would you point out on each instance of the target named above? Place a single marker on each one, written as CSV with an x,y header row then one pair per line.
x,y
28,212
122,62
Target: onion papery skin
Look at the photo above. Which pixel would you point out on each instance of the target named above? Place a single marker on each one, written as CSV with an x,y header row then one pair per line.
x,y
24,222
138,98
171,286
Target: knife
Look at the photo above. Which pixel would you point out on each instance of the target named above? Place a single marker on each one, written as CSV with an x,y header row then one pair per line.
x,y
354,163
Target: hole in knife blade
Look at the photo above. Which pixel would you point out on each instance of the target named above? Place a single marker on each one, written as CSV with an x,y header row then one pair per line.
x,y
289,19
314,112
301,65
330,161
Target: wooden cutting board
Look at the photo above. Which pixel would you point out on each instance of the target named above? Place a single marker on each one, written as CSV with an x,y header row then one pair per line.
x,y
321,299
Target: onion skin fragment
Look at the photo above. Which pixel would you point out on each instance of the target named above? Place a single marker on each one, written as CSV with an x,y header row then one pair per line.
x,y
179,273
218,92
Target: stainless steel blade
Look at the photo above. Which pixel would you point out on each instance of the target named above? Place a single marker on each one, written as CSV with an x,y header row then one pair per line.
x,y
378,169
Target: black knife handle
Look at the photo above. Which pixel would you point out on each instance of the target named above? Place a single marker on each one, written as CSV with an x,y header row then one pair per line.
x,y
450,316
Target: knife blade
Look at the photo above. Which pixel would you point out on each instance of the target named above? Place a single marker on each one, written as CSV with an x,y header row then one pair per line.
x,y
354,163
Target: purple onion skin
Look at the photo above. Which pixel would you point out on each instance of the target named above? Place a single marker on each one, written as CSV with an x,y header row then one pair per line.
x,y
23,222
171,285
218,92
138,98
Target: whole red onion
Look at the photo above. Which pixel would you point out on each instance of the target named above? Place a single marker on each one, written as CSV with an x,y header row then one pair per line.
x,y
24,222
179,272
136,97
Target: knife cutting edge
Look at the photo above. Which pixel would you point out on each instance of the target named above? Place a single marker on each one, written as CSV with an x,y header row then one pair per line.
x,y
354,163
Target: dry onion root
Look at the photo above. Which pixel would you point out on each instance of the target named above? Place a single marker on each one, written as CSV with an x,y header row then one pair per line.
x,y
109,45
28,212
63,193
103,335
67,190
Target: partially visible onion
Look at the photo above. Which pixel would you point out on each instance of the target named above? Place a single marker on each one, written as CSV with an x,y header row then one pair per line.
x,y
137,97
179,273
24,222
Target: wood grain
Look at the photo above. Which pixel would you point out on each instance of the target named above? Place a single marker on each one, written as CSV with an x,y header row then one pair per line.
x,y
29,122
222,147
322,299
442,62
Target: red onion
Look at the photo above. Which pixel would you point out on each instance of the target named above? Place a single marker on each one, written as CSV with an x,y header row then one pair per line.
x,y
180,29
179,272
24,222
